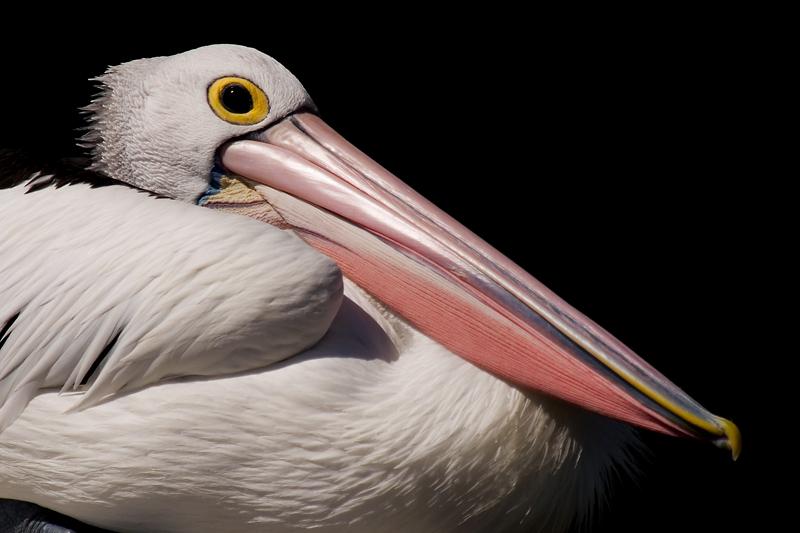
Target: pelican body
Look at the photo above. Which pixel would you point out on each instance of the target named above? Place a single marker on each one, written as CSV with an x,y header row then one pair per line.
x,y
233,320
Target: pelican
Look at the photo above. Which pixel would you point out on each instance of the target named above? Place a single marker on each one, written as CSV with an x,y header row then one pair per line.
x,y
233,320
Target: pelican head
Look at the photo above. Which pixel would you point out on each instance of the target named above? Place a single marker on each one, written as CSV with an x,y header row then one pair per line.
x,y
174,125
159,122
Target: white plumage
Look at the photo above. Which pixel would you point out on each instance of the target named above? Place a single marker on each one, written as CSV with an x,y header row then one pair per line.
x,y
183,290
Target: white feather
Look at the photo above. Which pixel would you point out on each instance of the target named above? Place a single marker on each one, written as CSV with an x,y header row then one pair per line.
x,y
188,291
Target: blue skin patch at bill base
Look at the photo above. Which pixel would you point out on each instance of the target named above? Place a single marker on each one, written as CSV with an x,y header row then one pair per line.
x,y
214,184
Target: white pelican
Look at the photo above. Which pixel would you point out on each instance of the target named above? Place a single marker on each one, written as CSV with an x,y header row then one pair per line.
x,y
169,367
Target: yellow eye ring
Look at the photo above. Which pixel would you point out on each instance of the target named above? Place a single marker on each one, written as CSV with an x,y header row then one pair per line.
x,y
238,101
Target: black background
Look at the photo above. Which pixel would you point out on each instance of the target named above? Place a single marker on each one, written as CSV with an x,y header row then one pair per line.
x,y
627,160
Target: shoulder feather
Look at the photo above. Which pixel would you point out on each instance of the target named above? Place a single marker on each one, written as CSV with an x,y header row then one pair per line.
x,y
107,290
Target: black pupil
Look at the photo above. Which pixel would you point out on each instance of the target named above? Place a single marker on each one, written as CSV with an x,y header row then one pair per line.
x,y
236,99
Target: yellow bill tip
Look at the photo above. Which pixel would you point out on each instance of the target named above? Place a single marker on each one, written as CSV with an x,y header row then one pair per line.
x,y
732,439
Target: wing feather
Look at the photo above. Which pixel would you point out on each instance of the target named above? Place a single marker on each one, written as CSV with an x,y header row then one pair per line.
x,y
159,289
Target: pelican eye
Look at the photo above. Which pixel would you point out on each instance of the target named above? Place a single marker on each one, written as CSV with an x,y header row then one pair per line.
x,y
238,101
